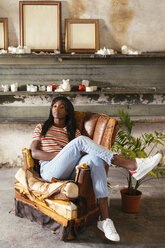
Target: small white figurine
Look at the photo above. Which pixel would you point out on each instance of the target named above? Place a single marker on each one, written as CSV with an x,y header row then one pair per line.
x,y
49,88
41,87
105,51
20,50
14,87
3,51
33,88
65,86
85,82
10,49
28,87
5,87
129,51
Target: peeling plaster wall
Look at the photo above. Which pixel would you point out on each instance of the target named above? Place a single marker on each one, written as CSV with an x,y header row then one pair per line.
x,y
17,136
14,136
37,106
139,24
12,139
78,99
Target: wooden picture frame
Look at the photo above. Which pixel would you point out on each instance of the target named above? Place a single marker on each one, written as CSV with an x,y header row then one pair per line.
x,y
4,33
40,25
81,35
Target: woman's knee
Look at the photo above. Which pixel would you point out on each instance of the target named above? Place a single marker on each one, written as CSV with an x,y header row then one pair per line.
x,y
82,138
92,160
98,162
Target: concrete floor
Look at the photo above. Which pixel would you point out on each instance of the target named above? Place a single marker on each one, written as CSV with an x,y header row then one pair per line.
x,y
145,229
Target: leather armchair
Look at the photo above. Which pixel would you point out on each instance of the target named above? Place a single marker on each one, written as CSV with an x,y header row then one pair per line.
x,y
31,204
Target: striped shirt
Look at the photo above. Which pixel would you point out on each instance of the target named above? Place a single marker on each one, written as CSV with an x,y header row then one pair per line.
x,y
55,139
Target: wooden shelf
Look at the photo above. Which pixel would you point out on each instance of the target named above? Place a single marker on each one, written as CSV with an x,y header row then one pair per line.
x,y
112,90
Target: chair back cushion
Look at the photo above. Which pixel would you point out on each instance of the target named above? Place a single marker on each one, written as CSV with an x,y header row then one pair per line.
x,y
99,127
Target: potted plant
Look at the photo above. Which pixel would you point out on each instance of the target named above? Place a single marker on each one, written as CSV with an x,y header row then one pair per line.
x,y
131,147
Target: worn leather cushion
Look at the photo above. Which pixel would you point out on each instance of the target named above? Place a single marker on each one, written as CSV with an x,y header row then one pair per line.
x,y
100,128
65,189
90,124
79,117
109,133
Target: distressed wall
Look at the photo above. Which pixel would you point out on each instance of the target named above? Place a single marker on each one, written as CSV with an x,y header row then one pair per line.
x,y
16,136
133,83
29,107
136,84
139,24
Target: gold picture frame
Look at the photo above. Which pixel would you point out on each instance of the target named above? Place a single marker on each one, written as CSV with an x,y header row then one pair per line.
x,y
81,35
4,33
40,25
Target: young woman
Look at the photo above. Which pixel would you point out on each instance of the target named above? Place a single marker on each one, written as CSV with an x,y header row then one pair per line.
x,y
60,147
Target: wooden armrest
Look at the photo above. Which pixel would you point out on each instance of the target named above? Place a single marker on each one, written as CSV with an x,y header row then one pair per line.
x,y
28,160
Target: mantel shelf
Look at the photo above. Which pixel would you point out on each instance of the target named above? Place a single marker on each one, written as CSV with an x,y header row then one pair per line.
x,y
84,56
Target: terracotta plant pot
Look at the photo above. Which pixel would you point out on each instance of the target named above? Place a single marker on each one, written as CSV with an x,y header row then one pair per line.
x,y
130,203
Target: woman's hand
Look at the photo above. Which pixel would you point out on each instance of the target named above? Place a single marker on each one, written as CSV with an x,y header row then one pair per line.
x,y
37,153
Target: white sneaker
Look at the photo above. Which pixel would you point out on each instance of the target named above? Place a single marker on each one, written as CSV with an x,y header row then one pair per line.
x,y
145,165
109,230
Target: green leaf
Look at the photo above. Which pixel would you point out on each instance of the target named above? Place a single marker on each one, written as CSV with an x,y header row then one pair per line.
x,y
141,154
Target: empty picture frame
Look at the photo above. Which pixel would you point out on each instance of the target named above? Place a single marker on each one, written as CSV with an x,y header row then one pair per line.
x,y
40,25
82,35
4,33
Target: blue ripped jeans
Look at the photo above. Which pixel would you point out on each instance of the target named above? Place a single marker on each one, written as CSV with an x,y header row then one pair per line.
x,y
63,165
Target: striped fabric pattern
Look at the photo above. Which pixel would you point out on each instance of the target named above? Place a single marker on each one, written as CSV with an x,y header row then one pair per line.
x,y
55,139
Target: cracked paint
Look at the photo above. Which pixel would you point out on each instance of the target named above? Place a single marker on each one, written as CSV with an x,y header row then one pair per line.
x,y
78,99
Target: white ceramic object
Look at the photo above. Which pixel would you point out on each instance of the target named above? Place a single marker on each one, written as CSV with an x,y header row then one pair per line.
x,y
129,51
14,87
42,87
56,51
66,85
14,50
3,51
94,88
10,49
124,49
106,51
59,88
28,87
49,88
27,49
21,50
89,89
85,82
5,87
33,88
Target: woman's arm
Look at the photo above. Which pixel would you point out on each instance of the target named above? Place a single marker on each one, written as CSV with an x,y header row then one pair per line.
x,y
37,153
